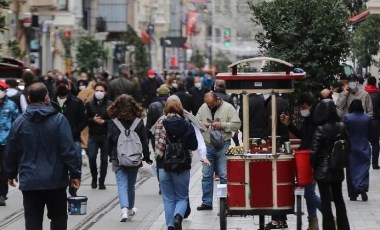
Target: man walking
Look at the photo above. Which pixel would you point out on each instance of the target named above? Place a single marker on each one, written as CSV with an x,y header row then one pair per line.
x,y
221,116
41,153
8,113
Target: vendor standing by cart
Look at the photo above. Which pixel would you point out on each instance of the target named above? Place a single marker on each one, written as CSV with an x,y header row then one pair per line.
x,y
305,133
216,115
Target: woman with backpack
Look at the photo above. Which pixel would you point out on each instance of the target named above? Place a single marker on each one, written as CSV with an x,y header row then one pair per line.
x,y
358,125
329,180
175,138
125,112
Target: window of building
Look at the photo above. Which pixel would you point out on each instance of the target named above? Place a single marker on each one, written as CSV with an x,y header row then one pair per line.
x,y
62,4
218,5
227,6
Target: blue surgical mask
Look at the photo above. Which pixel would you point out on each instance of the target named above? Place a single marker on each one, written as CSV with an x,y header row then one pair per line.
x,y
352,85
198,85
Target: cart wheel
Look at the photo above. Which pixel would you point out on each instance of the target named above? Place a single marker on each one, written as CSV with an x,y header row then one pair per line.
x,y
223,213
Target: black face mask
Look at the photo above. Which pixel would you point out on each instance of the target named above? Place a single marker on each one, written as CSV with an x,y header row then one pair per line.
x,y
62,91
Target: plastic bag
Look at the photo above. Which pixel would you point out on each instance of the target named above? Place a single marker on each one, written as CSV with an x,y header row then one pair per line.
x,y
148,170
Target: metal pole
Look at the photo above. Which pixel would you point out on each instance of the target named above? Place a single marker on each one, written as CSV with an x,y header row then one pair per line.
x,y
274,122
246,122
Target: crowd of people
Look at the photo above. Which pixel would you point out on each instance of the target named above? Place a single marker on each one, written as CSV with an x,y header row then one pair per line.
x,y
46,128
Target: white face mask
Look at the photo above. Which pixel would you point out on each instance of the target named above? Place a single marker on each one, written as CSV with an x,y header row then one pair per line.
x,y
99,95
198,85
2,93
352,85
82,87
305,113
174,85
61,101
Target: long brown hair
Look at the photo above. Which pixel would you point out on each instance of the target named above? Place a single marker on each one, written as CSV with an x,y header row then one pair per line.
x,y
125,108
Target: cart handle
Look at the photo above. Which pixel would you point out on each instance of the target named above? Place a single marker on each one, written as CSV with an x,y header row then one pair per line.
x,y
233,66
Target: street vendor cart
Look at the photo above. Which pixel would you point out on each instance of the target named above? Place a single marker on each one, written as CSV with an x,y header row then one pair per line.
x,y
260,175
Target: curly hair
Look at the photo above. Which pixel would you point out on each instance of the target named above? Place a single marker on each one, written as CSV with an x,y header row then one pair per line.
x,y
125,108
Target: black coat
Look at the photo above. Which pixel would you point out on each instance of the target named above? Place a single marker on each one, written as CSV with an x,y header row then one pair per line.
x,y
73,109
198,98
321,148
95,107
305,133
149,87
155,111
258,119
186,100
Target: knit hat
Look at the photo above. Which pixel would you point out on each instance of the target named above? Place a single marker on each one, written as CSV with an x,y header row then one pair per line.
x,y
3,85
163,90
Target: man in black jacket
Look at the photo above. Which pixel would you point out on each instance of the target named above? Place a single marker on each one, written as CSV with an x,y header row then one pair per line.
x,y
186,98
156,109
98,120
73,109
198,92
123,85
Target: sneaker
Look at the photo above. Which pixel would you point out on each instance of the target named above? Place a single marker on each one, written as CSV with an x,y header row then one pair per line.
x,y
2,201
132,213
178,222
102,187
204,207
124,215
284,225
271,225
364,196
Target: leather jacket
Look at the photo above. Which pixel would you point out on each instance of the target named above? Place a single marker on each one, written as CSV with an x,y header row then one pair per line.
x,y
321,148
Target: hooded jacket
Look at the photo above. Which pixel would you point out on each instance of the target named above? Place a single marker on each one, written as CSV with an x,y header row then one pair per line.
x,y
8,113
41,150
177,129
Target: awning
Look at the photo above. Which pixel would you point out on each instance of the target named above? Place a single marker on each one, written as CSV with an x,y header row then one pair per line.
x,y
360,17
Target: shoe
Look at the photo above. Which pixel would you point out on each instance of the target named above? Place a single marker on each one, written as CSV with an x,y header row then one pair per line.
x,y
271,225
102,187
178,222
170,228
364,196
124,215
204,207
353,199
132,213
2,201
313,223
375,167
93,183
283,225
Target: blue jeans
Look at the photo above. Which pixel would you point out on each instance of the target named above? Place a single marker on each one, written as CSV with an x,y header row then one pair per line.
x,y
126,180
218,160
94,144
175,193
313,202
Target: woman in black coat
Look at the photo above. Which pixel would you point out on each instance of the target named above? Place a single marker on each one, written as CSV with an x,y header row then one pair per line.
x,y
329,181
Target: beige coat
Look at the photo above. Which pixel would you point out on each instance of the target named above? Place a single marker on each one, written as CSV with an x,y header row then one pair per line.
x,y
86,95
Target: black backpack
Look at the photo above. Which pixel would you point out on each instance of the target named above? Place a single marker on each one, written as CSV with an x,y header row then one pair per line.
x,y
175,156
339,153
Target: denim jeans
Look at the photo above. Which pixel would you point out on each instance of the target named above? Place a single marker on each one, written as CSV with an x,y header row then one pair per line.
x,y
175,193
94,144
34,204
313,202
218,160
126,180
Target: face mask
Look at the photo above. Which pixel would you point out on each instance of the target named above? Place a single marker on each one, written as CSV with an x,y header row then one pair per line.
x,y
62,91
2,93
61,101
352,85
305,113
82,87
198,85
174,85
99,95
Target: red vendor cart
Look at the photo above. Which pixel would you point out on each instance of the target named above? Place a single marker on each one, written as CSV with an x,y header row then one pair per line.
x,y
259,182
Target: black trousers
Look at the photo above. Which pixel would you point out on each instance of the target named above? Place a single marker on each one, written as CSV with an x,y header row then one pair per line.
x,y
374,140
3,179
334,190
34,205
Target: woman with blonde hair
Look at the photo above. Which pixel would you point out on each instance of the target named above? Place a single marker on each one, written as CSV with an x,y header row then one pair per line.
x,y
174,130
125,111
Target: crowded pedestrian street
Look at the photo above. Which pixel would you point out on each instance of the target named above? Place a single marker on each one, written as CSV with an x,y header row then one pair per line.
x,y
103,209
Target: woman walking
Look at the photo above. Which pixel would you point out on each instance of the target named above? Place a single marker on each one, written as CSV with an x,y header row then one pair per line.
x,y
172,129
126,111
358,125
329,181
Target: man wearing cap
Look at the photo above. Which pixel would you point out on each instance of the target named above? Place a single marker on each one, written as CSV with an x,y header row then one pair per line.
x,y
8,113
352,92
123,84
72,108
149,87
155,109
